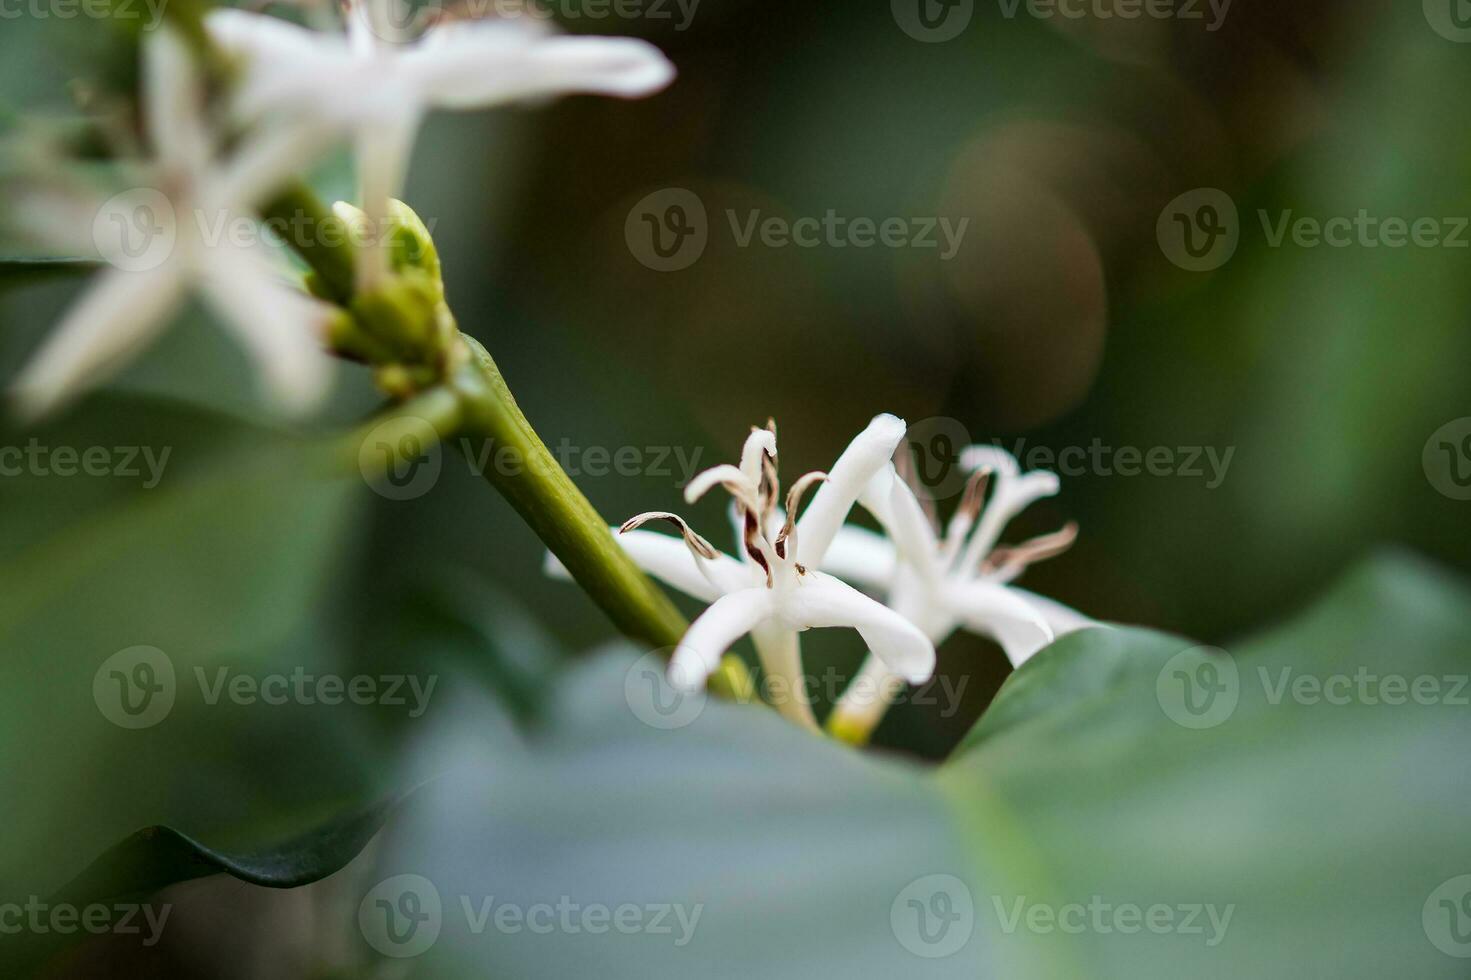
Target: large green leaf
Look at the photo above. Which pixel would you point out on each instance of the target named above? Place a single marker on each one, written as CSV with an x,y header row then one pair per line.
x,y
157,857
1326,813
215,564
1322,830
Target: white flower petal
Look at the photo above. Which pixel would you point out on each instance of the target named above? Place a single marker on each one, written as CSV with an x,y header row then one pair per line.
x,y
265,163
992,458
1062,619
478,64
910,529
723,475
112,321
173,98
780,650
1003,614
823,601
866,455
861,557
286,64
280,327
760,445
713,632
383,152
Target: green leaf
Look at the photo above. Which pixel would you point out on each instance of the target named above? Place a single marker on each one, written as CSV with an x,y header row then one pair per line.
x,y
156,857
1322,830
215,556
1327,826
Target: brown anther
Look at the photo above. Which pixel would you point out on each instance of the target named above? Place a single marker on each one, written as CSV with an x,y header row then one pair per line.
x,y
1030,552
696,543
754,536
794,503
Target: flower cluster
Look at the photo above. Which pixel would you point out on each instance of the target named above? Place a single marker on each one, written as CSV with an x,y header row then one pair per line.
x,y
794,573
290,94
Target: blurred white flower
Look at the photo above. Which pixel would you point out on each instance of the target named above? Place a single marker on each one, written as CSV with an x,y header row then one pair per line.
x,y
173,235
958,579
774,590
378,80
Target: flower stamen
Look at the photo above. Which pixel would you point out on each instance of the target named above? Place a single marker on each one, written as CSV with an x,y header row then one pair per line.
x,y
1008,562
698,545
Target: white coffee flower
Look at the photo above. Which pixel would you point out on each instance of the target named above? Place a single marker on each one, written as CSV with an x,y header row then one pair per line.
x,y
379,80
958,578
173,236
774,591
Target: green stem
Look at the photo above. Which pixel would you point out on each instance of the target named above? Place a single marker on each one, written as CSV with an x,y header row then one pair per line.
x,y
475,400
546,498
564,519
318,236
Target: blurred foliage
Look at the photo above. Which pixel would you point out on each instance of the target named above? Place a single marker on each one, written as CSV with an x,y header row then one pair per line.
x,y
1059,322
